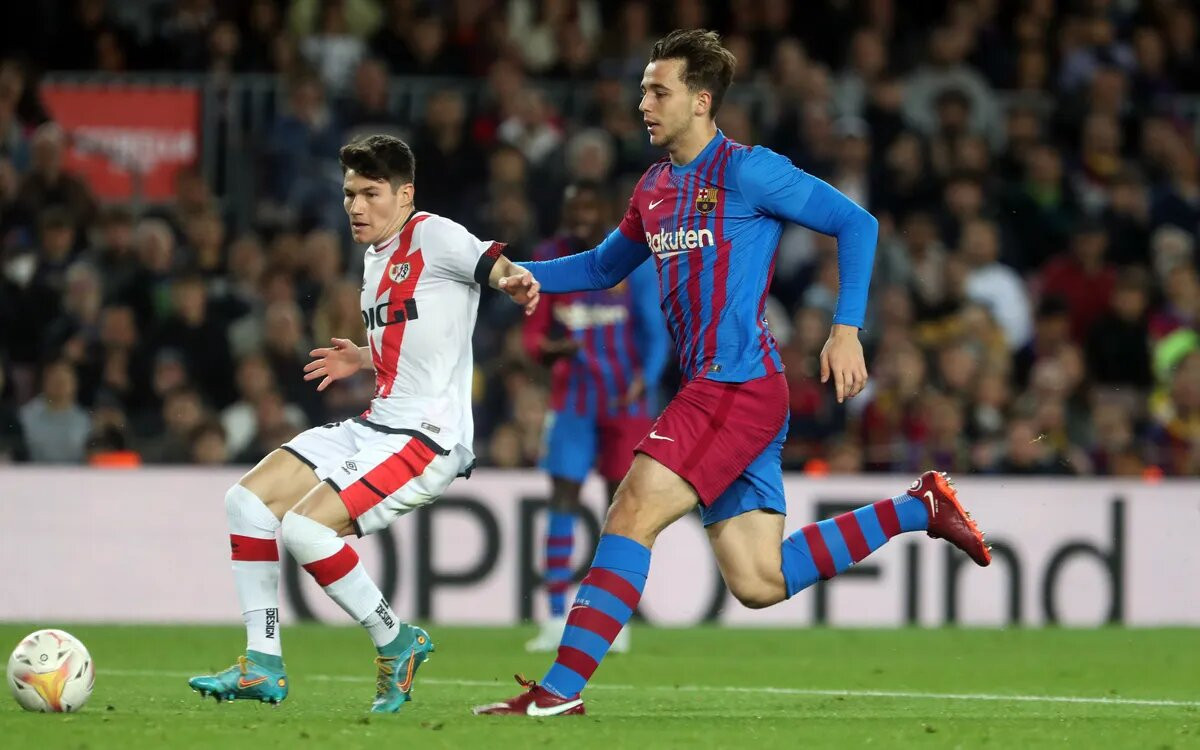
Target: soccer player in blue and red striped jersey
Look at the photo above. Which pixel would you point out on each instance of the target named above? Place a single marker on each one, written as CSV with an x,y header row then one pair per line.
x,y
607,350
711,214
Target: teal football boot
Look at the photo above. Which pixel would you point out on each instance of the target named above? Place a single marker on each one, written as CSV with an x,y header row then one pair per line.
x,y
397,664
249,679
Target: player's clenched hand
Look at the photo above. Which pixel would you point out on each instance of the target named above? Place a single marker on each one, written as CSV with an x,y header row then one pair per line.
x,y
332,363
842,357
523,288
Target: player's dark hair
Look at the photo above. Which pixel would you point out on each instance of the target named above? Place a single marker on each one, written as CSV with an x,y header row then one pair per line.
x,y
380,157
707,65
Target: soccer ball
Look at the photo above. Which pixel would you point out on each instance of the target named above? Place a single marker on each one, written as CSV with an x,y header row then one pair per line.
x,y
50,670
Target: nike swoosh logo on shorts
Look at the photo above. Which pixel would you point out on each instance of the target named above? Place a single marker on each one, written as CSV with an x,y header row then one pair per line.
x,y
535,710
654,204
655,436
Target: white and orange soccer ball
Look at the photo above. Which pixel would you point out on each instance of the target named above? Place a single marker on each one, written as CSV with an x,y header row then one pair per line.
x,y
51,671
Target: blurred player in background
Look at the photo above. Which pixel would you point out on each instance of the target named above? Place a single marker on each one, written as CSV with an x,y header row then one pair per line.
x,y
607,350
711,214
420,297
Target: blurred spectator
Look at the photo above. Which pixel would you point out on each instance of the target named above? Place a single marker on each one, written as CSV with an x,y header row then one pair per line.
x,y
448,161
1117,348
367,112
199,337
208,444
1176,420
47,184
286,348
994,284
329,43
303,147
945,71
1083,277
1180,308
12,436
239,420
182,413
55,426
1041,206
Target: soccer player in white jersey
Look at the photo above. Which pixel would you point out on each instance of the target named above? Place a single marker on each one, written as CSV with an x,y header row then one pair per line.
x,y
421,281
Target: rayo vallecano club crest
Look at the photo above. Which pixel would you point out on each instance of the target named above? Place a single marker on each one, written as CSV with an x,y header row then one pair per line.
x,y
398,271
706,199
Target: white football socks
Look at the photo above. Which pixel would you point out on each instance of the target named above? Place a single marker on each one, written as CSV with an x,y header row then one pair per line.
x,y
336,567
255,567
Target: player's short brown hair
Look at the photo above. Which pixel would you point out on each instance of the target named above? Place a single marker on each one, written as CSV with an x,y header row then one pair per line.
x,y
707,64
380,157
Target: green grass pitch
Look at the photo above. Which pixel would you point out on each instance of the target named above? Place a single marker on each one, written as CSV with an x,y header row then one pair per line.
x,y
695,688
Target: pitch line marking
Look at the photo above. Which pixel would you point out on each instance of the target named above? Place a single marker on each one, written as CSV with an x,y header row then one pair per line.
x,y
810,692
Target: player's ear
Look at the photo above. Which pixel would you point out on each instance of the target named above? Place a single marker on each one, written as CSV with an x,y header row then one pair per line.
x,y
702,104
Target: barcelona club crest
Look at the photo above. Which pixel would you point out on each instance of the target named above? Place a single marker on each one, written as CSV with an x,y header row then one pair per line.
x,y
706,199
398,272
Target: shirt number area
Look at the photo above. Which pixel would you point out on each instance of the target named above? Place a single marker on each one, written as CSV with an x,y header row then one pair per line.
x,y
384,314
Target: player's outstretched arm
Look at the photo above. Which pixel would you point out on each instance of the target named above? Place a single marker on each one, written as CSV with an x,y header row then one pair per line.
x,y
602,267
341,360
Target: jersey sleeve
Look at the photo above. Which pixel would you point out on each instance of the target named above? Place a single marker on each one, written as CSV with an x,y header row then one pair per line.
x,y
631,223
458,254
773,186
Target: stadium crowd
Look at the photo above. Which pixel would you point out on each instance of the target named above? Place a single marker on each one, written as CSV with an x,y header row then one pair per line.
x,y
1033,164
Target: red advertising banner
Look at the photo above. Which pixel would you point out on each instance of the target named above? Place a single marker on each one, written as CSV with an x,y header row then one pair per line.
x,y
116,133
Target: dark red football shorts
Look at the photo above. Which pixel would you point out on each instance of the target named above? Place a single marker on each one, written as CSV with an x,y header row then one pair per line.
x,y
712,431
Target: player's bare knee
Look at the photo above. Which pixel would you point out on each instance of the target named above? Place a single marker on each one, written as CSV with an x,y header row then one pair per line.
x,y
631,515
755,594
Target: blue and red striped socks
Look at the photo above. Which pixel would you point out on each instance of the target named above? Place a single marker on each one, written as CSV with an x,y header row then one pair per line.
x,y
819,551
560,539
606,600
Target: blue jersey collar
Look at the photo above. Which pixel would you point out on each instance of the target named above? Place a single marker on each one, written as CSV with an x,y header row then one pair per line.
x,y
702,157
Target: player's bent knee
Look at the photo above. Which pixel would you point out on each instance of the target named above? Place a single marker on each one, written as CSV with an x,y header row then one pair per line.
x,y
756,594
323,505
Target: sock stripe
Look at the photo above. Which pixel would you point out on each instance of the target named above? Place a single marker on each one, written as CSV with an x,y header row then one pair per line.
x,y
820,553
847,523
595,621
558,587
888,520
615,584
557,562
576,661
595,646
252,549
868,523
560,541
332,569
836,544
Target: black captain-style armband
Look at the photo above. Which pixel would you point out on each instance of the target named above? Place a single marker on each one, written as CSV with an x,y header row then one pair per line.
x,y
483,269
